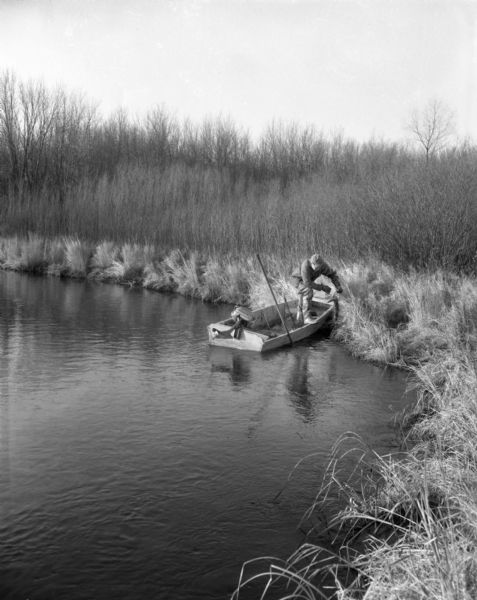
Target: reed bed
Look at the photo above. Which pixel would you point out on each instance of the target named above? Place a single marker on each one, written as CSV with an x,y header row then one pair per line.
x,y
210,211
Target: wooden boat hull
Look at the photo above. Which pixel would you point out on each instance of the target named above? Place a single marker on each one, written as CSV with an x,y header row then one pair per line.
x,y
266,332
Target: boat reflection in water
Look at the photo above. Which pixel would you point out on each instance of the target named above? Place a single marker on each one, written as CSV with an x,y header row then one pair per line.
x,y
298,384
234,364
306,379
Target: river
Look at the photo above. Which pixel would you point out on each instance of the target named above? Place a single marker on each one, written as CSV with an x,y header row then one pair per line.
x,y
138,462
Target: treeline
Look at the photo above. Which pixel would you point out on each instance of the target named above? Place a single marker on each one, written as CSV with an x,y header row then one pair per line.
x,y
55,139
67,170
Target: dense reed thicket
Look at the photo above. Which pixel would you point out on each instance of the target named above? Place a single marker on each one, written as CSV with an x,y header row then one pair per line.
x,y
65,170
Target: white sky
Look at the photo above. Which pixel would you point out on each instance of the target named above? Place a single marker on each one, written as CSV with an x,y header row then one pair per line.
x,y
360,66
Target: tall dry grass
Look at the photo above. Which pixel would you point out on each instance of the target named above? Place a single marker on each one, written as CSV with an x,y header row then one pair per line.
x,y
185,207
406,318
211,278
420,218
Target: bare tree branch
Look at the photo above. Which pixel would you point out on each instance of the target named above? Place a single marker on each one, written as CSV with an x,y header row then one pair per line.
x,y
432,127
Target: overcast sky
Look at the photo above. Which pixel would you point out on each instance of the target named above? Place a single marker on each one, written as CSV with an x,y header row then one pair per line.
x,y
360,66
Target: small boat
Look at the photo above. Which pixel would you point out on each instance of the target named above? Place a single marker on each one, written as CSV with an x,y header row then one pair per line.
x,y
266,330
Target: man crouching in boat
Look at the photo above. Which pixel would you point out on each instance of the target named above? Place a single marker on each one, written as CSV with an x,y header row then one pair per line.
x,y
310,269
242,317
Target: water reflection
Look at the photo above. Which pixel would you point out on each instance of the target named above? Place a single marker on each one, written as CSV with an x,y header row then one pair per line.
x,y
306,385
234,363
298,384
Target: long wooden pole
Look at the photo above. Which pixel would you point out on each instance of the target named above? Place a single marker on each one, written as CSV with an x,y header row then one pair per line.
x,y
289,311
274,299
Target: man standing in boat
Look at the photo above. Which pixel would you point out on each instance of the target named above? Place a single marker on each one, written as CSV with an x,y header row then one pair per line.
x,y
310,269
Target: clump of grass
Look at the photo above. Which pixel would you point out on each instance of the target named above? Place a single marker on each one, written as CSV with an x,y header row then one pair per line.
x,y
415,532
32,254
157,278
418,316
447,406
418,344
305,575
395,313
133,260
55,257
381,285
184,271
10,253
466,317
23,254
128,266
77,257
226,280
105,254
433,562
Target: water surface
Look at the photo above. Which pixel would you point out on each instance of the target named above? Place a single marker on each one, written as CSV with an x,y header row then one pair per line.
x,y
137,462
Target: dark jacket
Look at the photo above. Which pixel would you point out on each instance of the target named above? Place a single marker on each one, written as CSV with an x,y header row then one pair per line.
x,y
306,275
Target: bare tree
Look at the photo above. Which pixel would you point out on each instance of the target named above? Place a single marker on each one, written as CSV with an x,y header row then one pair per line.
x,y
432,127
9,127
38,112
163,135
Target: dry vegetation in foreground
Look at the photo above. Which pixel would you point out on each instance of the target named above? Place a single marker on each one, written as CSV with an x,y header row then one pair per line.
x,y
417,521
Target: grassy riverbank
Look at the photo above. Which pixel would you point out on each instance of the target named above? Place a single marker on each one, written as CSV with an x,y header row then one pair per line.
x,y
417,520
